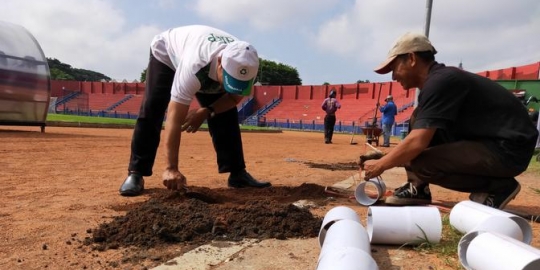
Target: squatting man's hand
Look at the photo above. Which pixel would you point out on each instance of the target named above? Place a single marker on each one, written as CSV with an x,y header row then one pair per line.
x,y
174,179
194,120
372,168
370,158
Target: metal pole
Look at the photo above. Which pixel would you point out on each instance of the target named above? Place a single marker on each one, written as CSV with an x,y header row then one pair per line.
x,y
429,5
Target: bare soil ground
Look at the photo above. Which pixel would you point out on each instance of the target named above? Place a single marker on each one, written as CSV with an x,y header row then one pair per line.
x,y
60,207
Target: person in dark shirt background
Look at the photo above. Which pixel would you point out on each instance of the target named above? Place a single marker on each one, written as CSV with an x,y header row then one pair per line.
x,y
330,105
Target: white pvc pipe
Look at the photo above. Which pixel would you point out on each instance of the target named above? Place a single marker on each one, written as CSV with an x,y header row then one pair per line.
x,y
466,215
501,225
346,233
347,258
404,225
335,214
365,199
491,251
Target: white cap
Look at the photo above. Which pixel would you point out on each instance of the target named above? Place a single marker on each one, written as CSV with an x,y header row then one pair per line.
x,y
240,63
408,43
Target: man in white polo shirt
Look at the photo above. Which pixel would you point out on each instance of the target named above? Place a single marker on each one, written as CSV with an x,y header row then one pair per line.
x,y
186,62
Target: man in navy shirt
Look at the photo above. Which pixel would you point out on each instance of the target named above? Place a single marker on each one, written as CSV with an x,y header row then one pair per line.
x,y
389,111
468,133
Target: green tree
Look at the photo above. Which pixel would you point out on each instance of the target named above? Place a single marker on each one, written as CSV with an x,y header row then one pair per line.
x,y
272,73
62,71
143,75
57,74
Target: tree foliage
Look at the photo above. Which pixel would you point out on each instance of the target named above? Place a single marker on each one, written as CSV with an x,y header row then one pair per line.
x,y
272,73
143,75
62,71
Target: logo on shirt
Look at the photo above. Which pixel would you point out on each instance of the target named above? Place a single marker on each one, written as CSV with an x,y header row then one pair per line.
x,y
222,39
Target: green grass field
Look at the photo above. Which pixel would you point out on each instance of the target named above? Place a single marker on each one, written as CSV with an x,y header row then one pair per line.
x,y
116,121
89,119
534,165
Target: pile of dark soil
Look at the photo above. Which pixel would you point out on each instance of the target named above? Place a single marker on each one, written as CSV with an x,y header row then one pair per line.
x,y
202,215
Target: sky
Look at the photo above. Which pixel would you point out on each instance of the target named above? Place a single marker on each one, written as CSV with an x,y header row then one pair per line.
x,y
334,41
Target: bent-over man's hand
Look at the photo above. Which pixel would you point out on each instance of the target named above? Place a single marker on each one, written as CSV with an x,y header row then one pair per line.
x,y
174,179
194,120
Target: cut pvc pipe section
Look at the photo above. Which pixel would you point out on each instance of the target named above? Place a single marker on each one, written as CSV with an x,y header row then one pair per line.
x,y
501,225
335,214
408,225
481,250
346,233
364,197
466,215
347,258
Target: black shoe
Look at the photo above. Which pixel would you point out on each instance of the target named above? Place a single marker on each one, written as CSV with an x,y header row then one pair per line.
x,y
497,199
244,179
408,194
133,185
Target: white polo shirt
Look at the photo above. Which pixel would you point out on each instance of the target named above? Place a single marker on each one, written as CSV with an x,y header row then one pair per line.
x,y
187,50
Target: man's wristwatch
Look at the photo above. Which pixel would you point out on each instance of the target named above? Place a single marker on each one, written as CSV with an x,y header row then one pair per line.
x,y
212,111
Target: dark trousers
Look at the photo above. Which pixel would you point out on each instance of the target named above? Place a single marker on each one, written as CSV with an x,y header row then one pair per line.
x,y
466,166
226,136
223,127
329,124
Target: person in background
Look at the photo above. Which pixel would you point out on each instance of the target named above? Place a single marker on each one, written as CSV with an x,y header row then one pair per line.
x,y
186,62
468,133
389,111
330,105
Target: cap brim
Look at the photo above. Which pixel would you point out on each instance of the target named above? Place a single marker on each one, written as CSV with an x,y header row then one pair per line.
x,y
384,67
237,87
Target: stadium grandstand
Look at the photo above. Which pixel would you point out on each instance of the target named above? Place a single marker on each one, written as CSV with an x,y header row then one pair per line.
x,y
285,107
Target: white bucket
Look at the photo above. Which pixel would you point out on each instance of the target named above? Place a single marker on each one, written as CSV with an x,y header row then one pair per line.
x,y
347,258
346,233
486,250
404,225
335,214
365,199
466,215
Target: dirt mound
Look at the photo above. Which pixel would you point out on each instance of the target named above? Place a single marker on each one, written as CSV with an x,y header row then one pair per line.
x,y
203,214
